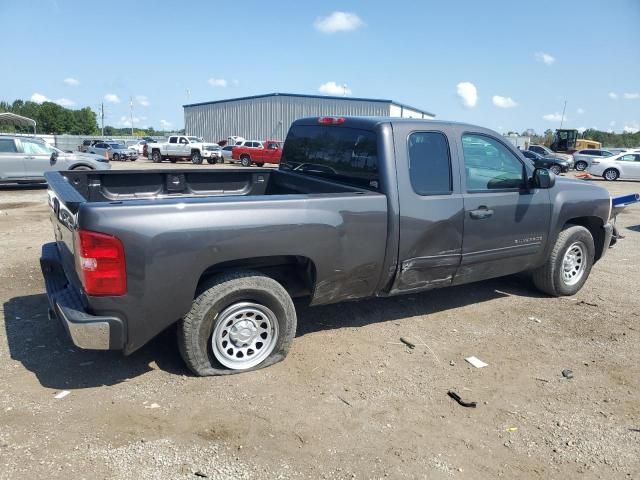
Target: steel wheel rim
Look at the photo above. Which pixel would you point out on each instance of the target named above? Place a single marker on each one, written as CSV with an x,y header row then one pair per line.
x,y
580,166
245,334
610,175
555,170
574,263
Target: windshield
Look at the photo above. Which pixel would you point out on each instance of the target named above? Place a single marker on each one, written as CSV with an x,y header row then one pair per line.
x,y
195,140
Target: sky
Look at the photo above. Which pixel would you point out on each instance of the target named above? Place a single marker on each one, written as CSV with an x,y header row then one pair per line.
x,y
505,65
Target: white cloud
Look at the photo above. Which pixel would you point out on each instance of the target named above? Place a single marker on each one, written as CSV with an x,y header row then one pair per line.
x,y
503,102
581,130
468,93
613,95
545,58
217,82
165,124
332,88
338,22
632,96
126,121
39,98
65,102
72,82
612,123
580,111
142,100
554,117
632,128
112,98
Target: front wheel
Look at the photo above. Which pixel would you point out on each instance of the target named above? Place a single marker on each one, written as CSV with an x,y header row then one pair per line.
x,y
241,321
581,166
156,157
116,157
196,158
569,264
556,169
610,174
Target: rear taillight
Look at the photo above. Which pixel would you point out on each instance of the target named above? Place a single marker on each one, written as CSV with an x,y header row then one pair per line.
x,y
101,263
331,120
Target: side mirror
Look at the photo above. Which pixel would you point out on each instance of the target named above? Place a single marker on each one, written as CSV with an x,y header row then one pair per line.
x,y
54,156
543,178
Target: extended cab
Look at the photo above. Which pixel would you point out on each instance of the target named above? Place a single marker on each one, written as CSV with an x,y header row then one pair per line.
x,y
359,207
185,147
249,152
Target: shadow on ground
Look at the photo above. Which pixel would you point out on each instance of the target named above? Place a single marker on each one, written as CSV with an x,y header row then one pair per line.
x,y
44,348
634,228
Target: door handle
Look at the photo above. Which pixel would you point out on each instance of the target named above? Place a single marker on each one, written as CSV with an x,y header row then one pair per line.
x,y
481,213
29,158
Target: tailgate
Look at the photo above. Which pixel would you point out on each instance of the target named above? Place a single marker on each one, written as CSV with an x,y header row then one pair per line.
x,y
64,202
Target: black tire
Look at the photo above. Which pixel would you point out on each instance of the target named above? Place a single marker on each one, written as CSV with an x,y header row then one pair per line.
x,y
556,169
156,156
173,160
549,278
116,157
245,160
261,164
212,160
581,166
196,158
195,330
611,174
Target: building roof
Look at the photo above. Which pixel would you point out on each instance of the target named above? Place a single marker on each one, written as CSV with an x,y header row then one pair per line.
x,y
325,97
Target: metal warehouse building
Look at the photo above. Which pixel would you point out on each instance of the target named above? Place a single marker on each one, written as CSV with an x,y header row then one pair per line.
x,y
269,116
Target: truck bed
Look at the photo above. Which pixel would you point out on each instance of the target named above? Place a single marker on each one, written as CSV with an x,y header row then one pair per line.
x,y
123,185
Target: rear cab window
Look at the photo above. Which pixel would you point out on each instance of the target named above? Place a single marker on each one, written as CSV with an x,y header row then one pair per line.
x,y
429,163
341,154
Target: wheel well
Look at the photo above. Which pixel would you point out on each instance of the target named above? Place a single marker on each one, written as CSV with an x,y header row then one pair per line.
x,y
194,150
78,165
245,155
296,274
594,225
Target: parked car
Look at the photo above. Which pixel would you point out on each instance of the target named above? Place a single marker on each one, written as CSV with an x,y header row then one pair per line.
x,y
137,145
26,160
554,164
114,151
226,153
249,152
547,152
583,158
186,147
616,151
86,145
624,166
393,206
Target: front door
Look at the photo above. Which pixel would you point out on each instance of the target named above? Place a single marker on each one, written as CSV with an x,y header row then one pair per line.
x,y
11,161
37,158
431,209
506,224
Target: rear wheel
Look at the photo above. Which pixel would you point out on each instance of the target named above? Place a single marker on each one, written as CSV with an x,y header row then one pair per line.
x,y
196,158
569,264
156,157
581,166
610,174
245,160
116,157
241,321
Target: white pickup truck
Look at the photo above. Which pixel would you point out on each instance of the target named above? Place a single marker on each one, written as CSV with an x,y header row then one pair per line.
x,y
182,147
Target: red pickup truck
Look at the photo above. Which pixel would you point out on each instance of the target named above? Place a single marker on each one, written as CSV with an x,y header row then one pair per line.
x,y
254,151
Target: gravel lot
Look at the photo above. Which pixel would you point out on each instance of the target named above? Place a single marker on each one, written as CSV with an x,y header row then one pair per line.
x,y
350,401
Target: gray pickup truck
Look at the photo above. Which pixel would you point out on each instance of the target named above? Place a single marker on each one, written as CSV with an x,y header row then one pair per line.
x,y
359,207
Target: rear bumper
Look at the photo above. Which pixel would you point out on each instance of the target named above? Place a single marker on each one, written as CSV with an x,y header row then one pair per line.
x,y
87,331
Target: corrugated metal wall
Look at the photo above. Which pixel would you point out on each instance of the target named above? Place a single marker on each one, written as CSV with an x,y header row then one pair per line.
x,y
268,117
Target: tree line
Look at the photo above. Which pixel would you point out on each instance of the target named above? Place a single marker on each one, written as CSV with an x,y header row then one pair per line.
x,y
52,118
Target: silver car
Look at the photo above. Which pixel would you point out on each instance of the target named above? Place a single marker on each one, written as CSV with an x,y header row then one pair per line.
x,y
582,158
26,159
226,153
114,151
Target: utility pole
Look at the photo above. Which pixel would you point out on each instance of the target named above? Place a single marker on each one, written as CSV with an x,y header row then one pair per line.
x,y
131,113
344,89
563,110
102,116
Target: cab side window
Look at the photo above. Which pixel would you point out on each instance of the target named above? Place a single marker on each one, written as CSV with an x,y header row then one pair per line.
x,y
429,163
7,145
35,148
489,165
183,141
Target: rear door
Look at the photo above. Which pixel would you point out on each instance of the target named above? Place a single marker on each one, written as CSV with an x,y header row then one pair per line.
x,y
11,161
37,158
505,223
431,208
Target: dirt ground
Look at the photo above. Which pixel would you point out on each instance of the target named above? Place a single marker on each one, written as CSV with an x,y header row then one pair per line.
x,y
350,401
